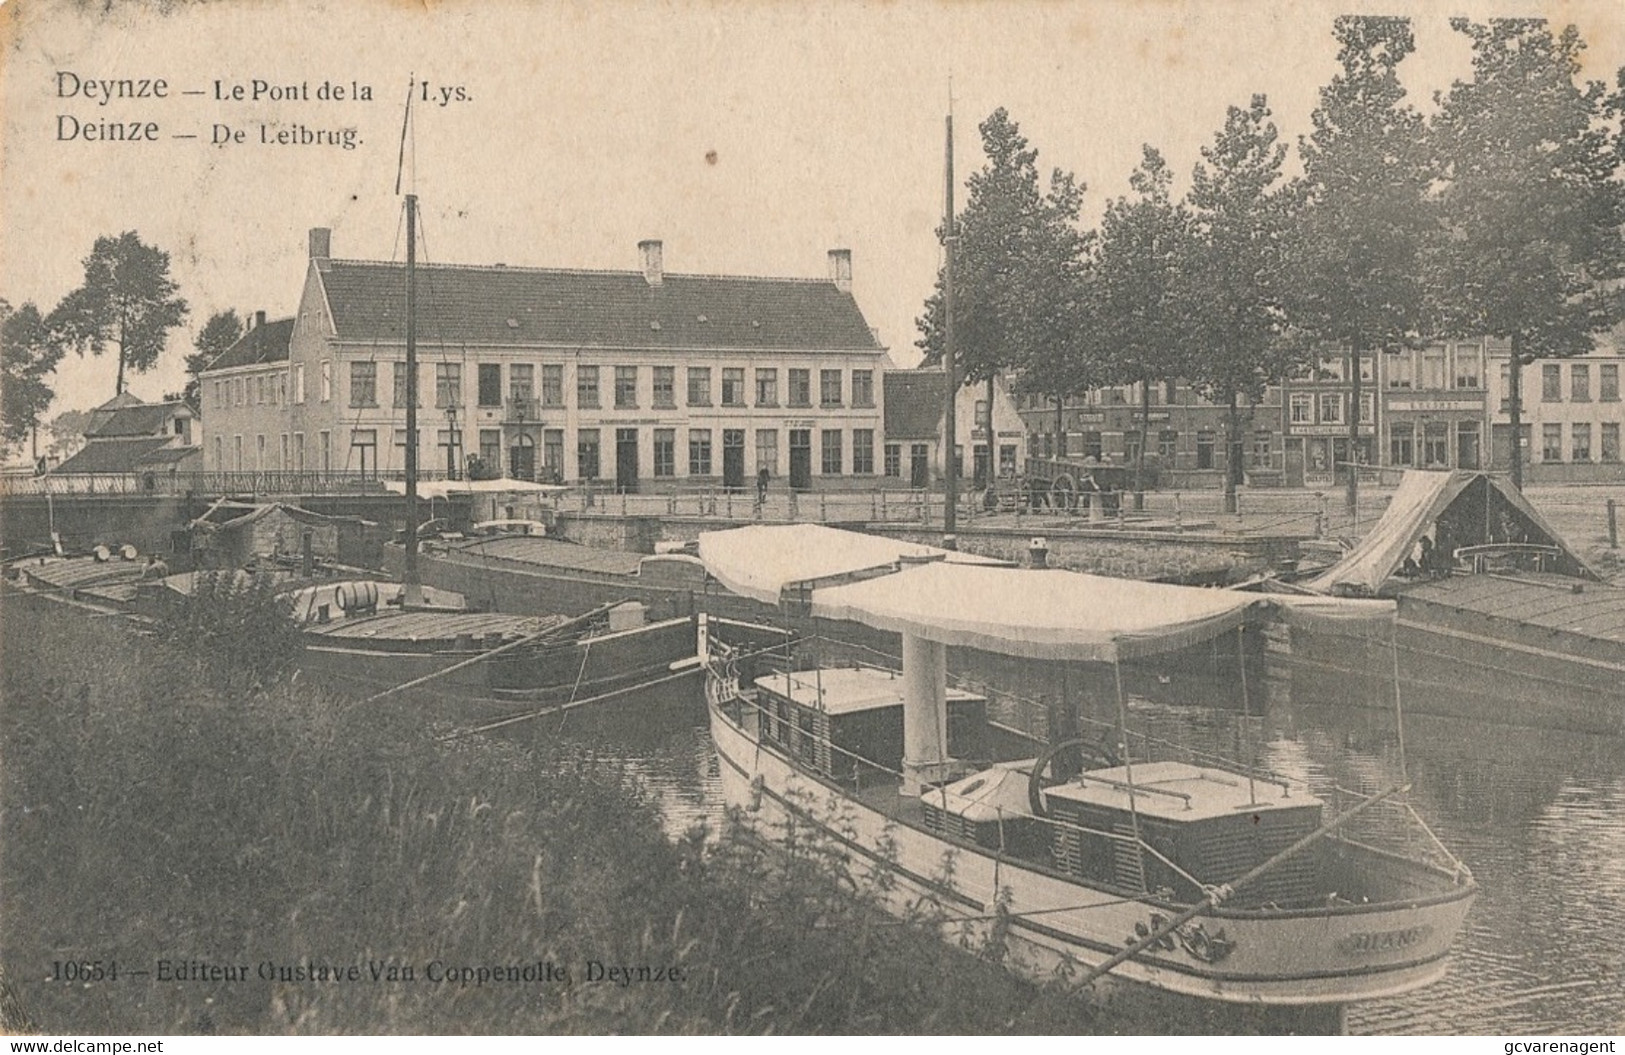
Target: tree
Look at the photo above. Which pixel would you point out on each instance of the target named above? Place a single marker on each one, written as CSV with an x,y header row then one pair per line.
x,y
1231,278
1138,318
1531,202
1018,248
127,301
1361,212
67,433
28,354
222,331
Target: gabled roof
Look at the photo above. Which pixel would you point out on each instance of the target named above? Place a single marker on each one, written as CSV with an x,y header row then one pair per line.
x,y
144,419
111,456
262,344
915,401
119,402
509,305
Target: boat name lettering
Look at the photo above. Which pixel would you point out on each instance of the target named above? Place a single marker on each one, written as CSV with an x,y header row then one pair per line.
x,y
1366,942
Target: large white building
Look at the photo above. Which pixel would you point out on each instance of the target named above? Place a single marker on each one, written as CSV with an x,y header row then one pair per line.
x,y
635,378
1572,414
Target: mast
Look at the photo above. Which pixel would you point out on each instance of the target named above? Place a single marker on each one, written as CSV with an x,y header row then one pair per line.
x,y
409,566
950,474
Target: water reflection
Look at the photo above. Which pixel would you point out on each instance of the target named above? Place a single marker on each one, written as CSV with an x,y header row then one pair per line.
x,y
1538,815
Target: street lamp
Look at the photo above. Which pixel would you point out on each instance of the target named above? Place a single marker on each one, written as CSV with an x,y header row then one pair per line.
x,y
454,442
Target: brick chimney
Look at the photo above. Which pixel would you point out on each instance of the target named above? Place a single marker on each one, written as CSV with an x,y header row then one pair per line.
x,y
654,272
840,269
321,243
259,319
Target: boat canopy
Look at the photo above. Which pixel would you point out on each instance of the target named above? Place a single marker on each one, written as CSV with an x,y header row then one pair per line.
x,y
444,488
975,602
1462,509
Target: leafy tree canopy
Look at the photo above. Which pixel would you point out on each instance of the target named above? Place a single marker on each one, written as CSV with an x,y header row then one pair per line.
x,y
222,331
127,301
29,353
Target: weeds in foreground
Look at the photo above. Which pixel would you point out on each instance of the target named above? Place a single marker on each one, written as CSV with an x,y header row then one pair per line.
x,y
152,815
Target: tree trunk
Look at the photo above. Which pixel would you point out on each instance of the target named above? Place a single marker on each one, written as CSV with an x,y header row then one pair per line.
x,y
1232,458
1354,432
1515,409
118,388
1060,436
1145,424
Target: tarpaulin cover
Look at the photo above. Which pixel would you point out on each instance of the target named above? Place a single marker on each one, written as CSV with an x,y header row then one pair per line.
x,y
761,560
1421,499
1038,614
443,488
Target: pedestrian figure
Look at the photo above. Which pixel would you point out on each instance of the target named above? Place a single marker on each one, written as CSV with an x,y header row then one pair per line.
x,y
762,476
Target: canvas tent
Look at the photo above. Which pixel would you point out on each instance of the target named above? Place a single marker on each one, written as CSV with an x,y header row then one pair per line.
x,y
1458,509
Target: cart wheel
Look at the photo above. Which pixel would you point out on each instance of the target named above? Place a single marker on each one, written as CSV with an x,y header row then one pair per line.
x,y
1063,493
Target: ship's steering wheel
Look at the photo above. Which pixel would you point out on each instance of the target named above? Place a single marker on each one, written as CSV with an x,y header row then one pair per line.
x,y
1093,751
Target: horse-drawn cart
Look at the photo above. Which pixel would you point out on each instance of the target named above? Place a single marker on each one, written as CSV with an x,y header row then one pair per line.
x,y
1077,484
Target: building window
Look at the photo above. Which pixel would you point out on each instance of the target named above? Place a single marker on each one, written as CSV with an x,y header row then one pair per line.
x,y
587,389
1167,443
1368,406
327,383
699,386
863,452
1551,442
400,447
863,388
364,450
1331,408
767,451
1007,459
491,448
699,451
219,454
1469,366
237,453
553,454
767,388
1580,383
287,454
587,453
1332,368
489,376
665,386
299,383
830,459
1204,449
521,384
1610,441
665,452
299,452
326,446
979,421
552,385
800,387
829,388
1402,370
259,388
1580,441
1608,382
363,384
1433,366
894,460
450,442
626,387
1262,448
448,384
1551,383
733,386
1436,445
1402,445
1303,408
398,397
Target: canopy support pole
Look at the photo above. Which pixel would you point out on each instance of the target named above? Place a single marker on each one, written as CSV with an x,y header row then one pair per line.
x,y
925,713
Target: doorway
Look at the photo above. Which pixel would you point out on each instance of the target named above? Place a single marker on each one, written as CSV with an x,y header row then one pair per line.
x,y
733,459
522,458
801,459
919,465
626,461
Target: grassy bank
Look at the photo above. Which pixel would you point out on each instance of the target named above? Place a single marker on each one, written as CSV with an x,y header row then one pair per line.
x,y
152,817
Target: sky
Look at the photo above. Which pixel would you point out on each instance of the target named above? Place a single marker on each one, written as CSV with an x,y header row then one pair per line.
x,y
750,136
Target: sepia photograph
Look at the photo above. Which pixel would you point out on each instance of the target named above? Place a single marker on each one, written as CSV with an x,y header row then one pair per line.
x,y
739,518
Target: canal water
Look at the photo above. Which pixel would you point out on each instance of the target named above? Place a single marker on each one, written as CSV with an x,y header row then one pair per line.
x,y
1539,817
